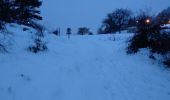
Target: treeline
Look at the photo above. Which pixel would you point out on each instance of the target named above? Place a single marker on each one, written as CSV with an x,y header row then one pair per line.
x,y
124,19
151,31
81,31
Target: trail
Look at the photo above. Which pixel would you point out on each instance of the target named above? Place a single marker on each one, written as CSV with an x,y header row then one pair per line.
x,y
83,68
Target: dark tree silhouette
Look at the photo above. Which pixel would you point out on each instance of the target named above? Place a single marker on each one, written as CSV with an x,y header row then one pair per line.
x,y
116,21
83,31
57,31
68,32
22,12
164,16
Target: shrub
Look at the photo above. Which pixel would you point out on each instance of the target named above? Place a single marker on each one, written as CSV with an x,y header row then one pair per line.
x,y
167,60
3,48
132,29
146,30
56,32
5,40
152,37
83,31
38,46
159,43
137,41
90,33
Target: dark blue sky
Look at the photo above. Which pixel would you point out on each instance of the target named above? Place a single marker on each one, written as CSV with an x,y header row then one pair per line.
x,y
77,13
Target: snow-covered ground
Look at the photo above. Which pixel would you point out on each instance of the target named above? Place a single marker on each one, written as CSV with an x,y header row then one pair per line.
x,y
167,27
81,68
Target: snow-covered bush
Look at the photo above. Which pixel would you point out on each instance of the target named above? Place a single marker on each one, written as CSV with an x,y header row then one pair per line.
x,y
5,40
20,12
157,43
146,25
2,48
167,59
38,46
150,35
132,29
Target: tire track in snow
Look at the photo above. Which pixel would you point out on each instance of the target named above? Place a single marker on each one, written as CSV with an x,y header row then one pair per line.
x,y
110,84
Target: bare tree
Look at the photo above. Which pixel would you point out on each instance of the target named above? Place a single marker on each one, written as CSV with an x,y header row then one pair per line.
x,y
121,17
116,21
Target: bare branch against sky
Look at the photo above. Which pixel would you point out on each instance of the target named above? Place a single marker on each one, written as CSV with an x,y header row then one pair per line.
x,y
77,13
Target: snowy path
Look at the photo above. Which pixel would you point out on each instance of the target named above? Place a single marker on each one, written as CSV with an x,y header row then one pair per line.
x,y
83,68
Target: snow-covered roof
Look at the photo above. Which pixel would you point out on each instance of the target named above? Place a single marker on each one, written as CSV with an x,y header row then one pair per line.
x,y
166,25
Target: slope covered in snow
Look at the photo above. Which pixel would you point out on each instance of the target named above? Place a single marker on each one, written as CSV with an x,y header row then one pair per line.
x,y
81,68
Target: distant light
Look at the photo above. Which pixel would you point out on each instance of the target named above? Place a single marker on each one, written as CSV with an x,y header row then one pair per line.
x,y
147,21
169,21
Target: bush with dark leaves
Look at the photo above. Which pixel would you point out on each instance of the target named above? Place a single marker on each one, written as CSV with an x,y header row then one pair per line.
x,y
159,43
152,36
138,41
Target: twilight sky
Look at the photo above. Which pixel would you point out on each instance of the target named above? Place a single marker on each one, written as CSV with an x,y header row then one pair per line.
x,y
90,13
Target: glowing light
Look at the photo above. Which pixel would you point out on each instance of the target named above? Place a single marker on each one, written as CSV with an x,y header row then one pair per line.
x,y
148,21
169,21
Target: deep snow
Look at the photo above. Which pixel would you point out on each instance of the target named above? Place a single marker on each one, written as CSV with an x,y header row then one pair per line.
x,y
81,68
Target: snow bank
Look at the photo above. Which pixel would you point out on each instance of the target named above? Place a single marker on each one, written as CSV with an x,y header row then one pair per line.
x,y
81,68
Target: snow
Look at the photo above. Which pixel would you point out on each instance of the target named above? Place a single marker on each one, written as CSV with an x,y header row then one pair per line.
x,y
167,27
81,68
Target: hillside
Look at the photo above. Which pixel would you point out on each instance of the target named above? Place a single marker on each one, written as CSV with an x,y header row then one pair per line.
x,y
81,68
